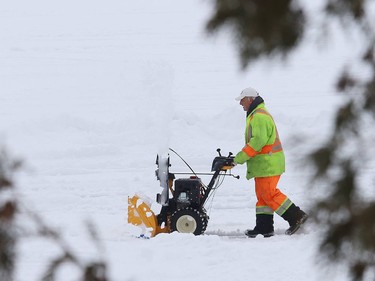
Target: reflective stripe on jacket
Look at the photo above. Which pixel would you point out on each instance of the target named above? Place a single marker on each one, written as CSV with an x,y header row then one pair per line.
x,y
263,151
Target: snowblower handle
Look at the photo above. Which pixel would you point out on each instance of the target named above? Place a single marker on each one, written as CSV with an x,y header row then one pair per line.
x,y
218,151
222,163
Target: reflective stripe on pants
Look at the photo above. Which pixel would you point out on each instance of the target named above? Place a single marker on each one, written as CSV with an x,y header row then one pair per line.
x,y
265,210
269,195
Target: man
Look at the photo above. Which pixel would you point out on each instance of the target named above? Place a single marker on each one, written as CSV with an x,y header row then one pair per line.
x,y
265,161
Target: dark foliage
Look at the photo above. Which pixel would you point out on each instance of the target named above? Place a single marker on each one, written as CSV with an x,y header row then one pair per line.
x,y
10,208
261,28
350,235
343,8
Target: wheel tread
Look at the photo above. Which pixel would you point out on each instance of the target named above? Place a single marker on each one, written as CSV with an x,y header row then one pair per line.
x,y
200,217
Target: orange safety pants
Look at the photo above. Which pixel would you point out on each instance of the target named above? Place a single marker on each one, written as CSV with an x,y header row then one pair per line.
x,y
270,198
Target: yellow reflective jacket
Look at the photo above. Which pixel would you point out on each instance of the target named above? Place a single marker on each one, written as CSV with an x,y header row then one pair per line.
x,y
263,151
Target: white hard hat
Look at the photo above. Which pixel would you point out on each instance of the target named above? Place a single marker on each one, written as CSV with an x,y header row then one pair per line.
x,y
248,92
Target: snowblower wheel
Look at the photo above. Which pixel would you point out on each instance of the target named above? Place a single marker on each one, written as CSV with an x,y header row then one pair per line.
x,y
188,220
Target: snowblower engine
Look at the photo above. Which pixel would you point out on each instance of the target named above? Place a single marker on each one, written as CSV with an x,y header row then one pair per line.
x,y
188,192
184,211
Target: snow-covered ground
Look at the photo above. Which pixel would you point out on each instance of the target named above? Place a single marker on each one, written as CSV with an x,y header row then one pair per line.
x,y
91,91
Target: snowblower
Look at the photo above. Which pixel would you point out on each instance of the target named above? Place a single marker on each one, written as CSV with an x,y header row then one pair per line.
x,y
184,211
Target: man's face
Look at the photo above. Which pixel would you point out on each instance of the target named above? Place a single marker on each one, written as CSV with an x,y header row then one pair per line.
x,y
246,102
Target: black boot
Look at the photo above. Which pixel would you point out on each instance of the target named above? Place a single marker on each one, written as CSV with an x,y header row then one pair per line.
x,y
264,226
295,217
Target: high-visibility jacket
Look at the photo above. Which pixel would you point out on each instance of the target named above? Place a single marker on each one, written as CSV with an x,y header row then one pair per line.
x,y
262,152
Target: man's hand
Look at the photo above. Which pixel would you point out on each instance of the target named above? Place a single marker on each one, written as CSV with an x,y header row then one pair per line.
x,y
241,158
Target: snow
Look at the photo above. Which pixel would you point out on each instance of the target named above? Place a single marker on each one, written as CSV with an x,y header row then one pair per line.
x,y
92,91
